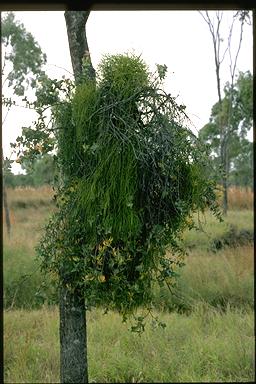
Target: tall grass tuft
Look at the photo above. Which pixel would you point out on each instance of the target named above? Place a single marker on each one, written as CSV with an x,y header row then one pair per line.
x,y
240,198
221,280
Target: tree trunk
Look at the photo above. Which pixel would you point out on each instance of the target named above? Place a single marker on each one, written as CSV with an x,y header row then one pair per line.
x,y
6,210
225,193
73,343
224,162
223,138
221,126
75,22
73,339
223,156
216,38
5,201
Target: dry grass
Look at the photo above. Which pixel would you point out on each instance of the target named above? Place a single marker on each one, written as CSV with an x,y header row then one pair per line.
x,y
30,193
28,209
24,197
27,228
221,280
240,198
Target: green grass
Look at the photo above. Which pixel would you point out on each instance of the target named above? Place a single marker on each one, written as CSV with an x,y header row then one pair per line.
x,y
210,325
212,228
22,276
219,279
207,346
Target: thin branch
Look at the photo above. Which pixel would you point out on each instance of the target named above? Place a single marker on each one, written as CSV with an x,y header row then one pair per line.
x,y
6,115
205,19
218,38
229,46
64,69
238,49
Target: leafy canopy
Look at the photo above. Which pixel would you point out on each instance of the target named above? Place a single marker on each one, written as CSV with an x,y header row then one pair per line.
x,y
236,116
24,54
133,175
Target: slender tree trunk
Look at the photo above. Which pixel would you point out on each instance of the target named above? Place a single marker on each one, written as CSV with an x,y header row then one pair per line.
x,y
216,39
224,128
73,339
225,183
223,143
5,201
6,210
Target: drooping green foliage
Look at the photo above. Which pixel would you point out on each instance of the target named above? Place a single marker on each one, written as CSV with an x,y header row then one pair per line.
x,y
133,176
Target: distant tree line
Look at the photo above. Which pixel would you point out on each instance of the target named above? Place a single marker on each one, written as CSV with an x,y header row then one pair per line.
x,y
41,173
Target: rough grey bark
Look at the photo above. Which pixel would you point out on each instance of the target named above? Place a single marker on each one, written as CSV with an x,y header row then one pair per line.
x,y
73,357
75,22
73,339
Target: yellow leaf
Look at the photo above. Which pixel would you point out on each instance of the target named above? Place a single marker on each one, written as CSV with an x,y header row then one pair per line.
x,y
88,277
102,278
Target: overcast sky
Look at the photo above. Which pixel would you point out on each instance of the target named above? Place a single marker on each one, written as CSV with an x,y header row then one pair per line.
x,y
179,39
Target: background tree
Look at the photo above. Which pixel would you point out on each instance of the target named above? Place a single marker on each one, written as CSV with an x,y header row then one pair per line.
x,y
241,173
22,57
44,171
41,172
22,64
239,149
215,23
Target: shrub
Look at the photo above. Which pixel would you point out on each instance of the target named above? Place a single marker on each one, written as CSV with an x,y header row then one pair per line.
x,y
132,176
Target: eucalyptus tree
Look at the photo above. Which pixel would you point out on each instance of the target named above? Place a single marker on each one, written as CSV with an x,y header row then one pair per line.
x,y
22,62
239,161
215,22
23,58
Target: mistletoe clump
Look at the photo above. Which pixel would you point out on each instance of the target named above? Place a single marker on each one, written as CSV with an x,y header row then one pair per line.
x,y
133,175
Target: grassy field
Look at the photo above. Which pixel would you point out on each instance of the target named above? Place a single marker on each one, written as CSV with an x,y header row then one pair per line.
x,y
210,318
207,346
